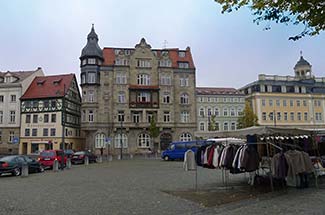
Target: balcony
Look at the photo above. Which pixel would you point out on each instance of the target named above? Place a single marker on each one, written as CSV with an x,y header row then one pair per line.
x,y
144,104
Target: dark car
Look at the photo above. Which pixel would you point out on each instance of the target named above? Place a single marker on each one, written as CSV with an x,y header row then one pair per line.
x,y
13,164
69,153
79,157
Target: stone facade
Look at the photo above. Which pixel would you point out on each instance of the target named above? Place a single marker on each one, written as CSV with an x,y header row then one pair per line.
x,y
221,106
12,86
293,101
124,89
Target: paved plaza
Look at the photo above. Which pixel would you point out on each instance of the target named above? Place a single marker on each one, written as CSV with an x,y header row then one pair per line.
x,y
142,187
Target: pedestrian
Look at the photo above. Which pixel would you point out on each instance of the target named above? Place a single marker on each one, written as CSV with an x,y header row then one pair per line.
x,y
101,151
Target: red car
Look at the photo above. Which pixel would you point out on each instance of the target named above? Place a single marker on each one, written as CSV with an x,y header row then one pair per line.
x,y
48,157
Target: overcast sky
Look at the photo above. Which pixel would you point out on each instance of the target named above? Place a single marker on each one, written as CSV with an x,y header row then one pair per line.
x,y
229,50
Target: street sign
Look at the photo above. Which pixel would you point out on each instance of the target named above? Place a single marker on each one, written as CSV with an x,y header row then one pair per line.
x,y
15,140
108,140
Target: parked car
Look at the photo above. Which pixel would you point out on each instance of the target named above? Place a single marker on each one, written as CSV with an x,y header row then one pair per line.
x,y
79,157
69,153
176,150
48,157
13,164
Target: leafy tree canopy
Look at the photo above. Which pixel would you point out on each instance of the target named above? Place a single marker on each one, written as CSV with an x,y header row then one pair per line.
x,y
153,129
248,118
310,13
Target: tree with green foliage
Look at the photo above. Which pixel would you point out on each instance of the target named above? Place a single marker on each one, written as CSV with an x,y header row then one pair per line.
x,y
212,123
248,118
153,130
311,14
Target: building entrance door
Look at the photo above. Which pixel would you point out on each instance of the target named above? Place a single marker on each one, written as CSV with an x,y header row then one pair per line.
x,y
165,140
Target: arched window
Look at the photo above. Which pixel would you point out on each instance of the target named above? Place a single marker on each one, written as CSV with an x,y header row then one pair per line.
x,y
232,112
216,111
201,112
100,141
184,98
120,138
201,126
144,140
143,79
185,137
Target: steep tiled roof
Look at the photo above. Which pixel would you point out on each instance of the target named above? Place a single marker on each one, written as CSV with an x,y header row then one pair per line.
x,y
217,91
20,75
109,56
48,86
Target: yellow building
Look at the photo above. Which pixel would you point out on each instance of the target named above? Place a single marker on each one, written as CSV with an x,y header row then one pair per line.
x,y
50,115
292,101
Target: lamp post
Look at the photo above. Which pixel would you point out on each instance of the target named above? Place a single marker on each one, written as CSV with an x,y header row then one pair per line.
x,y
121,141
274,119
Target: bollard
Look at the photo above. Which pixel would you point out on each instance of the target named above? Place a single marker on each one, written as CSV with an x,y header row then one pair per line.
x,y
56,166
118,157
99,159
86,161
68,163
131,156
110,158
24,170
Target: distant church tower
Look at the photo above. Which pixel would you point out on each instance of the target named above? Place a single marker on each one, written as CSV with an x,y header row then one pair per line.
x,y
303,68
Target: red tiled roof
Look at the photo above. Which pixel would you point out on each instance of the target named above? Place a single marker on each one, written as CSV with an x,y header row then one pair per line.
x,y
217,91
48,86
149,87
109,56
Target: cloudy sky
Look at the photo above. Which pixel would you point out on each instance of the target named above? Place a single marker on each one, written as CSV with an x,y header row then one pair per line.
x,y
229,50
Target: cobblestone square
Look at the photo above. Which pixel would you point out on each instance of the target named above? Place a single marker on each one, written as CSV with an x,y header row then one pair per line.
x,y
140,187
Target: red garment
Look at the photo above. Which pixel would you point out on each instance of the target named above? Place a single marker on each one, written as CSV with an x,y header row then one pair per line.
x,y
210,158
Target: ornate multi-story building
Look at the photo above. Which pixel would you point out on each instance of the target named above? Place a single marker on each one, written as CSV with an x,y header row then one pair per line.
x,y
12,86
50,115
123,89
295,101
221,106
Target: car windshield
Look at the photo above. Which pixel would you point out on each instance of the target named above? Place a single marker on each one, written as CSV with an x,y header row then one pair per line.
x,y
7,158
79,153
47,154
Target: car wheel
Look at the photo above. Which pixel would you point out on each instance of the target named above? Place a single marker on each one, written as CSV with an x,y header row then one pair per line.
x,y
16,172
166,158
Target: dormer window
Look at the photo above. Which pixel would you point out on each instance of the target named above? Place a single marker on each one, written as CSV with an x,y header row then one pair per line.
x,y
165,63
40,82
8,79
84,62
91,61
127,52
181,54
144,63
57,82
183,65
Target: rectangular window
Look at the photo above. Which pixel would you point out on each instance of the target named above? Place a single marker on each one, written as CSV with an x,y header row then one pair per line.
x,y
1,117
298,103
28,118
185,116
35,118
53,131
149,117
27,132
263,102
304,102
136,117
34,132
291,103
299,116
233,126
184,82
225,112
45,132
91,77
83,115
1,98
225,126
216,111
278,115
144,63
13,98
91,61
284,103
46,118
292,116
120,78
277,102
271,116
264,116
166,116
318,116
285,116
121,97
53,117
91,96
183,65
166,98
271,103
120,116
165,80
11,136
12,116
305,116
91,116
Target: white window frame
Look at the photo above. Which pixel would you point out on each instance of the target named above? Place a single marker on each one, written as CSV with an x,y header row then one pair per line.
x,y
185,137
100,141
117,141
143,79
144,140
185,117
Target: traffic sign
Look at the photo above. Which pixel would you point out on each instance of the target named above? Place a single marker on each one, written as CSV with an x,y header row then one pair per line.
x,y
15,140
